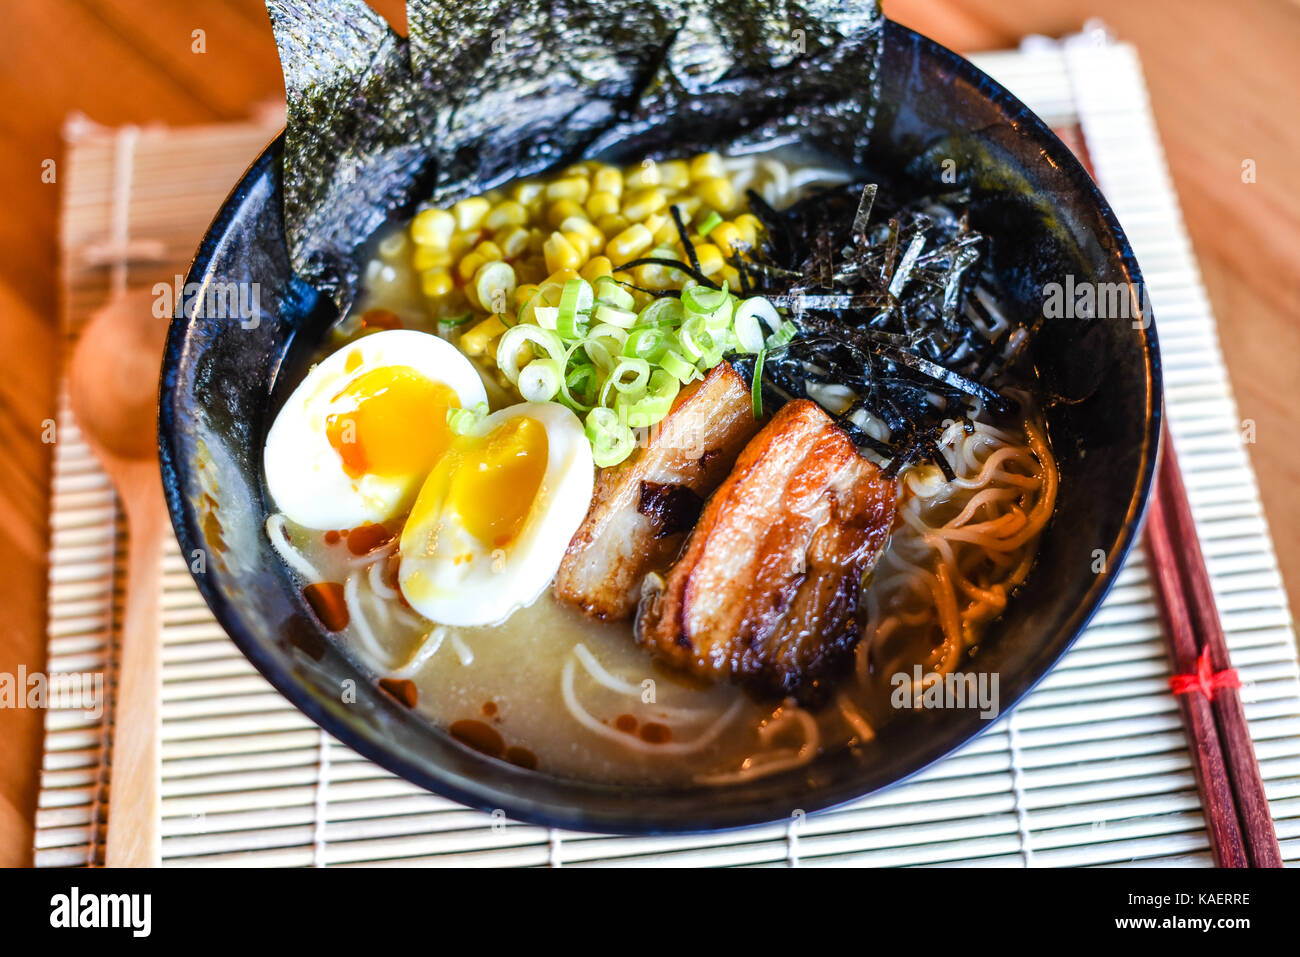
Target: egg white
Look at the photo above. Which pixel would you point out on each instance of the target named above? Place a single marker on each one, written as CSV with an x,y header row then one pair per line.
x,y
495,582
305,474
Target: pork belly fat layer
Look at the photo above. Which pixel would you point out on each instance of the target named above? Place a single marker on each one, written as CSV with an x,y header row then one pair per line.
x,y
643,507
766,590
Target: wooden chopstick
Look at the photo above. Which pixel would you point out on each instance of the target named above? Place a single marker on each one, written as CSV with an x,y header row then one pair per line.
x,y
1227,775
1230,717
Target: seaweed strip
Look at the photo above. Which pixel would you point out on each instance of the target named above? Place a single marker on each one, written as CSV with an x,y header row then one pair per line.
x,y
485,91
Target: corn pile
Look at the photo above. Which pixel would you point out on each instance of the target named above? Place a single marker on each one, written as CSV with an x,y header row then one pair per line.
x,y
488,255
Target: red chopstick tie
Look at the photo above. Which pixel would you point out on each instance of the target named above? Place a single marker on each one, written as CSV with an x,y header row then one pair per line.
x,y
1205,679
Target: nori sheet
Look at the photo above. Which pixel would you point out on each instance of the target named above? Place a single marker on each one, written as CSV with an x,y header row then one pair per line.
x,y
482,92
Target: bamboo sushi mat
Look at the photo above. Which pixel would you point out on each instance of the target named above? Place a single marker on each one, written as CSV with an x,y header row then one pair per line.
x,y
1092,768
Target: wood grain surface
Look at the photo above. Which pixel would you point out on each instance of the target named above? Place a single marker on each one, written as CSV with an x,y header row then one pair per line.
x,y
1223,81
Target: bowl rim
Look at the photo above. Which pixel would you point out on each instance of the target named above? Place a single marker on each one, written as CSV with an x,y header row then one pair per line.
x,y
723,815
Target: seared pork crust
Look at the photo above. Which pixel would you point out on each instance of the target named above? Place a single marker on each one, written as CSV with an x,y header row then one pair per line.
x,y
642,508
767,587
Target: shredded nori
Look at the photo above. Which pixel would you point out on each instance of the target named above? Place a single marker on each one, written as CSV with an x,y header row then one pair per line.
x,y
890,311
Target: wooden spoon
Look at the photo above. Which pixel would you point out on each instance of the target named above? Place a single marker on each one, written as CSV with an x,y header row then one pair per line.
x,y
113,386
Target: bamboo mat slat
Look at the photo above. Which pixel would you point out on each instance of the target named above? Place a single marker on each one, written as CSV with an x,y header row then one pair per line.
x,y
1092,769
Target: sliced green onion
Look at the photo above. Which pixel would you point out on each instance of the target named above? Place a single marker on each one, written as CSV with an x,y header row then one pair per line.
x,y
645,343
666,310
581,379
756,387
711,222
703,301
760,308
455,321
748,332
494,283
720,318
571,327
611,438
464,421
623,318
678,366
547,316
513,341
655,404
616,336
782,335
610,292
548,296
576,299
540,380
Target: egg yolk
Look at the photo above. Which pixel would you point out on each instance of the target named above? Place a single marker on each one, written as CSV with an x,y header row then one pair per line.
x,y
491,481
394,423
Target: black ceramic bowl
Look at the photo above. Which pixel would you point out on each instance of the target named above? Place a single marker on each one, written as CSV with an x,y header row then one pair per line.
x,y
221,385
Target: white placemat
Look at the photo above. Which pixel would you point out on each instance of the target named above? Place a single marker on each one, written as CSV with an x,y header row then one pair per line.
x,y
1091,769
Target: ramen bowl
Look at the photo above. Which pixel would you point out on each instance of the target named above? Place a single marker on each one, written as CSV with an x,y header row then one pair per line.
x,y
223,381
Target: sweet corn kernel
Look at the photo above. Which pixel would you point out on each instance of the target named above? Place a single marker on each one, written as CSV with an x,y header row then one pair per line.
x,y
436,283
707,166
461,243
596,267
469,265
469,213
675,174
608,179
602,203
490,251
579,242
594,237
725,236
574,188
612,225
524,293
717,192
630,243
527,191
509,213
474,341
750,228
622,275
513,242
637,206
431,257
689,205
710,257
561,276
560,210
560,253
536,240
643,176
433,227
658,277
730,275
662,228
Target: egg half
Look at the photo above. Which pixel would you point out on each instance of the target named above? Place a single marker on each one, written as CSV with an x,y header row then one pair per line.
x,y
492,522
359,435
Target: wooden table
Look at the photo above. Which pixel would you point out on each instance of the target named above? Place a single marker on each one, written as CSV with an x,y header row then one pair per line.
x,y
1222,79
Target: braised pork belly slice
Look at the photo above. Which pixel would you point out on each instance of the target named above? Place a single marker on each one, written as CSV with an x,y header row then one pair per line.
x,y
642,508
767,588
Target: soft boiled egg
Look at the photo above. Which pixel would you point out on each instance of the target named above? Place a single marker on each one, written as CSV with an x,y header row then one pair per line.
x,y
362,431
493,520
